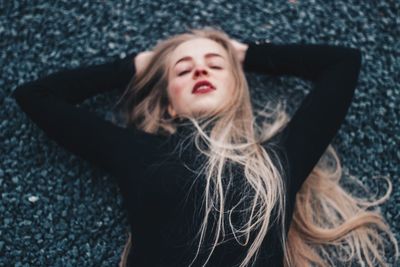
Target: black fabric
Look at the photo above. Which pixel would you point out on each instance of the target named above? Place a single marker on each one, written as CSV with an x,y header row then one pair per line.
x,y
162,194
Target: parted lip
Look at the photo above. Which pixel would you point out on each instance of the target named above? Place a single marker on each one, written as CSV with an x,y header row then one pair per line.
x,y
201,83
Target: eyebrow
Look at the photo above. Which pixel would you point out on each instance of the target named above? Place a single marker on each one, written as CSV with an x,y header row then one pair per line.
x,y
206,56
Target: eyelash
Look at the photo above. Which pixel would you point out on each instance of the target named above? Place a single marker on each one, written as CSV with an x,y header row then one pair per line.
x,y
184,72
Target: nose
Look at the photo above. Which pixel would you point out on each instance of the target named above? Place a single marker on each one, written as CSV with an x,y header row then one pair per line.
x,y
200,71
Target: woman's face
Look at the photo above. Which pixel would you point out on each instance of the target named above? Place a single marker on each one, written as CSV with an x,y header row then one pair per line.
x,y
197,60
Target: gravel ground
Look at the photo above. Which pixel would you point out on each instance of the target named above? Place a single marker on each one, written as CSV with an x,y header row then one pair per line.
x,y
57,210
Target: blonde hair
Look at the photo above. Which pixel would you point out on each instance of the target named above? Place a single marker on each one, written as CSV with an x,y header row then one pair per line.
x,y
326,217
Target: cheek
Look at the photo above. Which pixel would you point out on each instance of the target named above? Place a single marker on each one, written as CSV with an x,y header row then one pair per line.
x,y
175,90
229,82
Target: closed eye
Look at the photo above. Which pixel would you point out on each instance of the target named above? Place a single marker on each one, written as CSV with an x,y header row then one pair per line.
x,y
180,74
184,72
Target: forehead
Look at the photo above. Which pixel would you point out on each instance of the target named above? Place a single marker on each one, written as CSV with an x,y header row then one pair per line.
x,y
197,48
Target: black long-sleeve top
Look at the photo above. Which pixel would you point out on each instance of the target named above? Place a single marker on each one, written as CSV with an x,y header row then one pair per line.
x,y
158,188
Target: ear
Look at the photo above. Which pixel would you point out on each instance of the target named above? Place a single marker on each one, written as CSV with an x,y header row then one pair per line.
x,y
171,111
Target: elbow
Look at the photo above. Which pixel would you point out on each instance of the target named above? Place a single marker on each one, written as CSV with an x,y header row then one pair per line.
x,y
24,91
20,91
20,95
352,61
358,57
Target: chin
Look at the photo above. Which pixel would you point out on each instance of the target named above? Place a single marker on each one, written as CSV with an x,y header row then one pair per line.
x,y
206,112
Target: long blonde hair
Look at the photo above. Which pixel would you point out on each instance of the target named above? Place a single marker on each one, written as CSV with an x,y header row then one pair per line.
x,y
328,223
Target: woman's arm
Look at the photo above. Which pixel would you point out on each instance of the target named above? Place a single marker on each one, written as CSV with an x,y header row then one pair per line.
x,y
334,71
76,85
50,103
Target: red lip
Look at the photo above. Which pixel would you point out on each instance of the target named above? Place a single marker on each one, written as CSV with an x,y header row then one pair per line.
x,y
201,83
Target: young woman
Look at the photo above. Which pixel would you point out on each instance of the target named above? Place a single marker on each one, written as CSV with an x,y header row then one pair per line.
x,y
203,183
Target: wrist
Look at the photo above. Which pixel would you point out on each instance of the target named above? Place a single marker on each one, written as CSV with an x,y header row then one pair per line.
x,y
142,59
241,49
242,52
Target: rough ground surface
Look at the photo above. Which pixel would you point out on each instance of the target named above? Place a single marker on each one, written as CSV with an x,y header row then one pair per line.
x,y
57,210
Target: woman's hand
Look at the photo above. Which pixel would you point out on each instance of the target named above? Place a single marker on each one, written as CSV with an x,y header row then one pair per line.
x,y
141,60
240,48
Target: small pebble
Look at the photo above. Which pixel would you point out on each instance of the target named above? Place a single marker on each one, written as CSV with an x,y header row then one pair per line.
x,y
33,199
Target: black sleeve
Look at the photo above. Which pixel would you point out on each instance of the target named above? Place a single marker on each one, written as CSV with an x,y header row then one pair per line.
x,y
50,103
334,72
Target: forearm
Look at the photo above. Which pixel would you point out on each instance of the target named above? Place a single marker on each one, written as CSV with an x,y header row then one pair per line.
x,y
75,85
308,61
